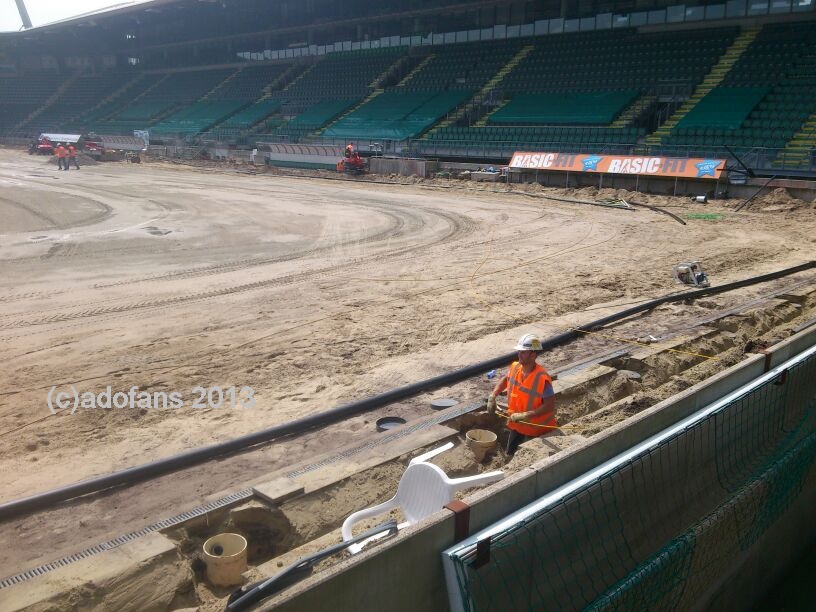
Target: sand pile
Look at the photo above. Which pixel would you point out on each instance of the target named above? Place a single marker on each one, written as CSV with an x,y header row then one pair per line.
x,y
779,200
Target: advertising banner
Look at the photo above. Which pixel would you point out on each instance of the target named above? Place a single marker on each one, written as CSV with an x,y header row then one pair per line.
x,y
684,167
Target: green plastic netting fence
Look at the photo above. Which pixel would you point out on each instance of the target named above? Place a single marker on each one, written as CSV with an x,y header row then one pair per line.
x,y
655,531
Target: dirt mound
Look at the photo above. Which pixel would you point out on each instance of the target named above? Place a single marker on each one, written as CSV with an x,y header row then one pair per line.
x,y
779,200
86,160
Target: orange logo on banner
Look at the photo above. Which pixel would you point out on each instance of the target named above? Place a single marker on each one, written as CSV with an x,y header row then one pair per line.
x,y
688,167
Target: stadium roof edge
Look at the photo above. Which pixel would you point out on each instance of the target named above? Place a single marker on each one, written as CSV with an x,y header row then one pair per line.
x,y
123,8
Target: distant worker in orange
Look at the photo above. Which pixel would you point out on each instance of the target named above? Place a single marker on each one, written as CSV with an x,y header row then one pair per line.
x,y
530,396
72,157
61,154
349,151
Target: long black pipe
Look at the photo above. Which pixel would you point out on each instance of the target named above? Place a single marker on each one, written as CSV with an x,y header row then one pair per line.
x,y
41,501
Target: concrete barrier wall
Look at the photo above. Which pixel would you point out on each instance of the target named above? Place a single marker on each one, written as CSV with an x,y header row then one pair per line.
x,y
402,165
406,573
300,155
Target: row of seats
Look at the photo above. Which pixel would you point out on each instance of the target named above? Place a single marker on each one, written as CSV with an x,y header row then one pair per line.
x,y
615,64
317,116
251,115
764,99
396,115
464,67
734,140
80,95
161,96
342,75
249,83
534,134
711,132
617,60
132,89
35,90
20,99
725,107
197,117
599,107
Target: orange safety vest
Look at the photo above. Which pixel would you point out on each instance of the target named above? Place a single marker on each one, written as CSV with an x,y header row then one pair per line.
x,y
71,151
525,394
60,152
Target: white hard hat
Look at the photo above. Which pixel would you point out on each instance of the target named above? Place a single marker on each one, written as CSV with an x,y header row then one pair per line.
x,y
529,342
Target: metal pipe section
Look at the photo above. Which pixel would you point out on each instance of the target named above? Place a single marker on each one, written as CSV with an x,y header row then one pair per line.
x,y
21,8
201,454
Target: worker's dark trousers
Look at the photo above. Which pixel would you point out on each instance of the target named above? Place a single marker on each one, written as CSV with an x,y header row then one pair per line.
x,y
62,161
76,163
515,438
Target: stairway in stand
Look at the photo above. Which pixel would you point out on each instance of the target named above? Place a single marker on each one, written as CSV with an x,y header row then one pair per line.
x,y
712,79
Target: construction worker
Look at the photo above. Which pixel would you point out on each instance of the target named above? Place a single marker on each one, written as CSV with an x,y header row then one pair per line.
x,y
72,157
61,154
349,150
530,396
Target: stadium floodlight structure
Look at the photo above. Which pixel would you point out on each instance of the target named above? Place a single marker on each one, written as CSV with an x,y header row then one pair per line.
x,y
21,7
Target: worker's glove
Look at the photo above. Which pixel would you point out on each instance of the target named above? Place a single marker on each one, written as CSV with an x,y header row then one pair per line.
x,y
491,404
518,416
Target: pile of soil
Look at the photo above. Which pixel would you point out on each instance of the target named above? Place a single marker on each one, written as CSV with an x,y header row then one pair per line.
x,y
779,200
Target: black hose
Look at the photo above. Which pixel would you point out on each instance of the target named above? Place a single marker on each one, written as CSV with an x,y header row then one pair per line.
x,y
660,210
201,454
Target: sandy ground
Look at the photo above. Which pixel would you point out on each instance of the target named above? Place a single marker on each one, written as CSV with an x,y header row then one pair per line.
x,y
311,292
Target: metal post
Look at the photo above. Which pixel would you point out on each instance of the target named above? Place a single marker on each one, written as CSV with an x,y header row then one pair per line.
x,y
21,8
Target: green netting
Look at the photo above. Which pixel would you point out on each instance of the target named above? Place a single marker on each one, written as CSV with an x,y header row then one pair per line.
x,y
596,108
724,107
252,115
657,531
197,117
397,115
319,114
681,570
143,111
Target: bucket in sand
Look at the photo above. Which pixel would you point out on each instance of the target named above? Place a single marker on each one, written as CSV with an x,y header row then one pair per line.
x,y
226,559
482,442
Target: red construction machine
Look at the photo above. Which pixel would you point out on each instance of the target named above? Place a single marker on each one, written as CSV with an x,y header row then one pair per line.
x,y
351,163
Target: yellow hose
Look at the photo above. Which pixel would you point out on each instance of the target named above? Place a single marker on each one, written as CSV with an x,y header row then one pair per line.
x,y
506,415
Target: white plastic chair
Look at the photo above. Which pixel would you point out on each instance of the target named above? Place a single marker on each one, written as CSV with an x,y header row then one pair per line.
x,y
423,489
